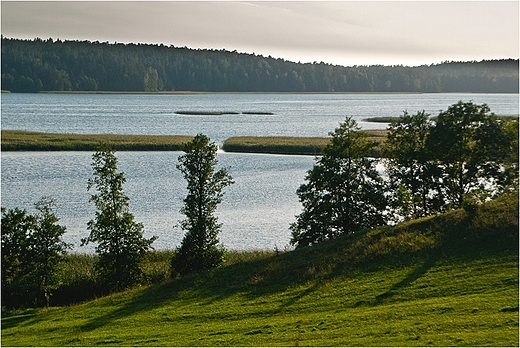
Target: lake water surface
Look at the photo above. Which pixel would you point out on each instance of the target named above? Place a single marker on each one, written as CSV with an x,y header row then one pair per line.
x,y
257,209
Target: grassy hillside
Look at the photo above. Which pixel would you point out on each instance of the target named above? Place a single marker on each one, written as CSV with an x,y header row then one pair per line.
x,y
448,280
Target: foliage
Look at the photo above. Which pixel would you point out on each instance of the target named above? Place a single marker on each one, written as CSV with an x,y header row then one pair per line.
x,y
121,245
409,166
199,249
344,193
55,65
463,158
31,251
511,160
470,147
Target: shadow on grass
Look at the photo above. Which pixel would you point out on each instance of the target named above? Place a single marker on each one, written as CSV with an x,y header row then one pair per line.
x,y
417,273
453,236
16,320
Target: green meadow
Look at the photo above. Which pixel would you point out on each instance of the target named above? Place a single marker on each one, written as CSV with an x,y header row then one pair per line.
x,y
444,280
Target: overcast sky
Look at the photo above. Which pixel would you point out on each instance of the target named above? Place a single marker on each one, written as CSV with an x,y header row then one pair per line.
x,y
337,32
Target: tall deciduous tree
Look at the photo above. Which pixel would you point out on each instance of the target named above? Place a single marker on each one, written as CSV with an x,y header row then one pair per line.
x,y
470,145
121,245
199,249
409,166
344,193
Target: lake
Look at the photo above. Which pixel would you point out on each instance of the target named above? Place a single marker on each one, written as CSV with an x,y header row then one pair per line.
x,y
257,210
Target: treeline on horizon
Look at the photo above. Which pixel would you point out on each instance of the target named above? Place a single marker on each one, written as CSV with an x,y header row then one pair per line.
x,y
31,66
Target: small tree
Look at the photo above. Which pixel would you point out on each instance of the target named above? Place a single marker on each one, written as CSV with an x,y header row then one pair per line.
x,y
344,193
121,245
32,248
199,249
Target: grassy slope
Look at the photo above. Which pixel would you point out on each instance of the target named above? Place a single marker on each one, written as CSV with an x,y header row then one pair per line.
x,y
449,280
34,141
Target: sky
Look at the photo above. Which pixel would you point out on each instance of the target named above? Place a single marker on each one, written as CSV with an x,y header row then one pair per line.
x,y
337,32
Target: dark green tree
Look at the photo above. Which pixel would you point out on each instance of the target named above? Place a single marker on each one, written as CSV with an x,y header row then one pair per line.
x,y
470,145
510,178
344,193
121,245
32,248
410,168
199,249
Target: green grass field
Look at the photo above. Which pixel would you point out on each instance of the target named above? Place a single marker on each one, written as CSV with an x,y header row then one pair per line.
x,y
33,141
447,280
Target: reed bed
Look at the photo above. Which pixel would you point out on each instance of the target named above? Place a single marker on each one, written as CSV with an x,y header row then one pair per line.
x,y
289,145
275,145
220,113
14,140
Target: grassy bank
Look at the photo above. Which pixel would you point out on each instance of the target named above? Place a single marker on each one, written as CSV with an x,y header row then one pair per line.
x,y
287,145
447,280
13,140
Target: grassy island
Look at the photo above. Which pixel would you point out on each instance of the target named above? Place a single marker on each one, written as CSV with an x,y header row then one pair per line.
x,y
275,145
445,280
13,140
288,145
221,113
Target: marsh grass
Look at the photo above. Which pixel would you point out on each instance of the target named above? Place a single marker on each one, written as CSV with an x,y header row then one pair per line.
x,y
13,140
388,119
222,113
290,145
276,145
446,280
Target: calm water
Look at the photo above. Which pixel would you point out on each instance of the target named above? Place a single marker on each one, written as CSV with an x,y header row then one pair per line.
x,y
294,114
257,209
255,214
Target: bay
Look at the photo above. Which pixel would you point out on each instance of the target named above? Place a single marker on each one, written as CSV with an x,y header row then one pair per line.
x,y
257,210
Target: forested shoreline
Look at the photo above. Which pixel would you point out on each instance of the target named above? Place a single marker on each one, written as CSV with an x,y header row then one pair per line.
x,y
31,66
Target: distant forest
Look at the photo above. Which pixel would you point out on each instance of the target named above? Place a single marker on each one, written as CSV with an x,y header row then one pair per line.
x,y
55,65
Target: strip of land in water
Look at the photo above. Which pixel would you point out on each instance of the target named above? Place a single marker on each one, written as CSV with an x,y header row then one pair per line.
x,y
13,140
288,145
